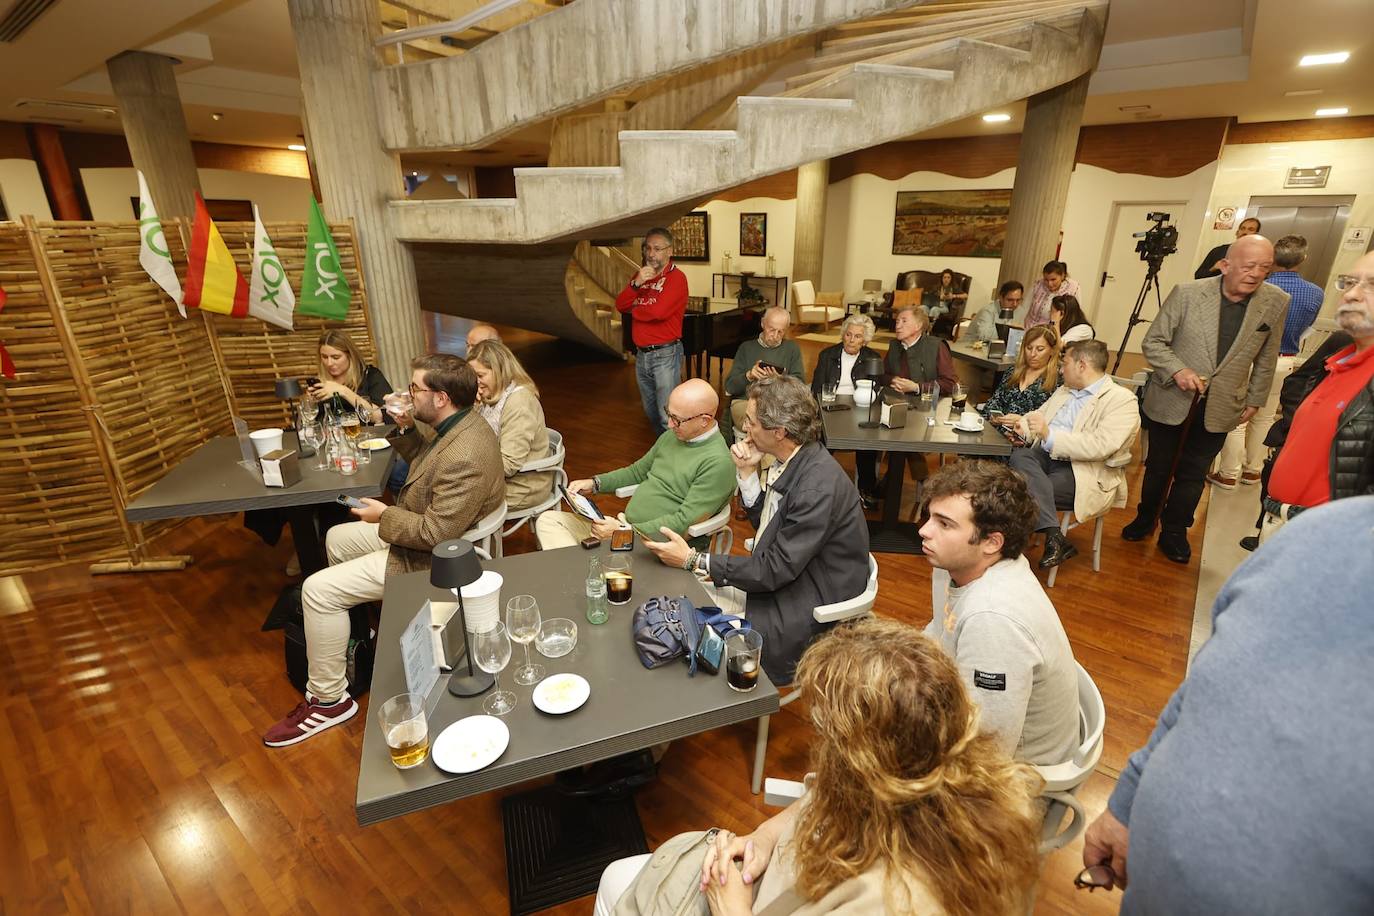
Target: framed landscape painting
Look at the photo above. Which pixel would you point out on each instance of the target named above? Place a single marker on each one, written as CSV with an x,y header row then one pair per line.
x,y
753,235
692,237
968,224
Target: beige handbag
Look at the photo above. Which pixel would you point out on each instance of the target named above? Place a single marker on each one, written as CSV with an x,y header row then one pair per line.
x,y
670,884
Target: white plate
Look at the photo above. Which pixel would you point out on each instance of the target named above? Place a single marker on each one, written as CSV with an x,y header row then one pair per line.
x,y
470,744
374,445
967,429
561,693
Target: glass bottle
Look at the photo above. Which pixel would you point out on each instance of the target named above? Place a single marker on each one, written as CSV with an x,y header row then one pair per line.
x,y
597,611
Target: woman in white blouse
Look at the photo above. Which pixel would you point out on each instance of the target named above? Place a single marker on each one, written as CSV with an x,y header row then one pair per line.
x,y
1066,315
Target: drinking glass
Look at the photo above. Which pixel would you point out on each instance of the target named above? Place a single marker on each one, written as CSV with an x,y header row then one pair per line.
x,y
405,729
398,403
323,448
828,392
309,434
352,426
491,652
927,394
960,399
742,658
619,578
522,622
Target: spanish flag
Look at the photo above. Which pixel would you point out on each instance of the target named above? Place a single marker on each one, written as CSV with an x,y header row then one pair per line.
x,y
213,282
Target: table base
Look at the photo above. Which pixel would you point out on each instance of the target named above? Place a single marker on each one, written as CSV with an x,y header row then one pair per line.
x,y
902,537
557,846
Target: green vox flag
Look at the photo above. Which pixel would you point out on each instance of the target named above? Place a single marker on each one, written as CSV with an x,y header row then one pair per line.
x,y
324,291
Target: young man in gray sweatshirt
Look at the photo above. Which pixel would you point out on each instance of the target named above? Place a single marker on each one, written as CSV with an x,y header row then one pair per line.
x,y
991,615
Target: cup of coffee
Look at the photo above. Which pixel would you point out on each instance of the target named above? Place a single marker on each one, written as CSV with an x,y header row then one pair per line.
x,y
265,440
618,573
970,419
743,649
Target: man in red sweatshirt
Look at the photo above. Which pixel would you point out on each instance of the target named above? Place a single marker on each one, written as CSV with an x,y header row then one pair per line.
x,y
655,298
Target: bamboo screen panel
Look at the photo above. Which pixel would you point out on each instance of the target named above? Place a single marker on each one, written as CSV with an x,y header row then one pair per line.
x,y
55,497
153,373
256,353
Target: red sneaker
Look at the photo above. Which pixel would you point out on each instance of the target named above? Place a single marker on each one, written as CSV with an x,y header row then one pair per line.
x,y
309,719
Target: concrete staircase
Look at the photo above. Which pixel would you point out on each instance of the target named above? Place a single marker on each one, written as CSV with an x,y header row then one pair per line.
x,y
849,108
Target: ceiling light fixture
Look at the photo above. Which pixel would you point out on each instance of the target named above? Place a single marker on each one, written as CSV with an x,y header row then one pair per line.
x,y
216,116
1129,109
1316,60
1291,93
996,118
1332,112
297,147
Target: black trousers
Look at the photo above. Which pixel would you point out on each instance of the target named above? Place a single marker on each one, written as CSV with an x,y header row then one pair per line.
x,y
1200,447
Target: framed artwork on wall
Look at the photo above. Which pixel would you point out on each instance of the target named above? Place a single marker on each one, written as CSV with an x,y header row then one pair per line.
x,y
969,224
753,235
692,237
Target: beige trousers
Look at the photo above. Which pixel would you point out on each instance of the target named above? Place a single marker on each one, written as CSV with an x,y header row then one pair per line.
x,y
1244,447
356,574
561,529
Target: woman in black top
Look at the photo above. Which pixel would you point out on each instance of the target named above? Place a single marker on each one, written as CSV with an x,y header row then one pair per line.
x,y
346,383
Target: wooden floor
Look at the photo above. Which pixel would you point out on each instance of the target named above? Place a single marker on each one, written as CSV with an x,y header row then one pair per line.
x,y
135,780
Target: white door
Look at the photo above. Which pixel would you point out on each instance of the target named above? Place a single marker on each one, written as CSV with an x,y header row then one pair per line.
x,y
1111,293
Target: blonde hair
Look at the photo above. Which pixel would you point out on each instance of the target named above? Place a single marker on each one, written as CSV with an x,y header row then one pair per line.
x,y
1050,379
505,368
357,364
905,780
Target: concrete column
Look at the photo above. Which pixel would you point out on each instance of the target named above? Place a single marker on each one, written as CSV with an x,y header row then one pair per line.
x,y
155,129
1044,166
356,174
813,179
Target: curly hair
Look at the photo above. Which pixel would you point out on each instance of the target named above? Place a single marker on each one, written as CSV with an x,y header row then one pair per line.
x,y
1049,379
904,779
999,496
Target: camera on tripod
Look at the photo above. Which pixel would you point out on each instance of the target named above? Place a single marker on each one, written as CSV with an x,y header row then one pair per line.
x,y
1157,242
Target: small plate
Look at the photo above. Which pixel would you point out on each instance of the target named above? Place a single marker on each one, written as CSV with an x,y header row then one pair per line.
x,y
966,429
374,445
561,693
470,744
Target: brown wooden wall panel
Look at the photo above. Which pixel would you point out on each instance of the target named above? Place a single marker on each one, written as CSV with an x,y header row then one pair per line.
x,y
14,142
1310,129
966,157
782,186
1162,149
109,151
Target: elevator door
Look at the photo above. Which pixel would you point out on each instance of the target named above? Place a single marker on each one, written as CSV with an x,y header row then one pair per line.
x,y
1319,219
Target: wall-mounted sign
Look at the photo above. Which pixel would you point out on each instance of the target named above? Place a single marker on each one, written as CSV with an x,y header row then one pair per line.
x,y
1226,218
1308,178
1357,238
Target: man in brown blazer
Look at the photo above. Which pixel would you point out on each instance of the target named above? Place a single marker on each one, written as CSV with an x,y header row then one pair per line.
x,y
454,480
1218,338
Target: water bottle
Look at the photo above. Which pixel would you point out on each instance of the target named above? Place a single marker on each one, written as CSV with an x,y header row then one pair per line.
x,y
597,611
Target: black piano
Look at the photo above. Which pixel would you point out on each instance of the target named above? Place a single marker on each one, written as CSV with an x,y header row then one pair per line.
x,y
706,335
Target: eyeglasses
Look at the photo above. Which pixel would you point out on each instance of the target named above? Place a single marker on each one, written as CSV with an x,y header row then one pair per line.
x,y
1350,281
414,388
656,249
1095,876
679,422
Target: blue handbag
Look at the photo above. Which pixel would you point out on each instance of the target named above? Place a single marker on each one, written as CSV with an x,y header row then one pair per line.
x,y
665,628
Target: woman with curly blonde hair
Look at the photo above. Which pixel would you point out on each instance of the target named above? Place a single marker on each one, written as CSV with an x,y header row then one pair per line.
x,y
909,809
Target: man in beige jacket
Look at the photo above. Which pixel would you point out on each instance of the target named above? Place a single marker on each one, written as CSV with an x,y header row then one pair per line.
x,y
1218,340
454,480
1080,444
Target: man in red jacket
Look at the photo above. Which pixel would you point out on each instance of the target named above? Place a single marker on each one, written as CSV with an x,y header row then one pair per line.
x,y
655,298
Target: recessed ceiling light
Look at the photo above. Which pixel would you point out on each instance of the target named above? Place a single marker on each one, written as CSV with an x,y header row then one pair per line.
x,y
1129,109
996,118
1316,60
1296,92
298,147
1331,112
217,116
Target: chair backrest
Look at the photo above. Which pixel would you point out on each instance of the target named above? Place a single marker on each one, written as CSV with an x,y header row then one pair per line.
x,y
1092,719
554,459
487,526
803,293
858,606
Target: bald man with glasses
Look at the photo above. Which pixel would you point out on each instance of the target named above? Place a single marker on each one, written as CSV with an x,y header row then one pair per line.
x,y
656,298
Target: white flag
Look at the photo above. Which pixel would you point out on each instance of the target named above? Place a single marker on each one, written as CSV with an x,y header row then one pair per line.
x,y
152,247
269,294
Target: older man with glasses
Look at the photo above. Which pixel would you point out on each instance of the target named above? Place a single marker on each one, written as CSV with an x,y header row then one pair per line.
x,y
684,479
656,298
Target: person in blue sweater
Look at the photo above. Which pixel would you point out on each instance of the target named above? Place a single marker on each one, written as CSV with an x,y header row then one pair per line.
x,y
1253,793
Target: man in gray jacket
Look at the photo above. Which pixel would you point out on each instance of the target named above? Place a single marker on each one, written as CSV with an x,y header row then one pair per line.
x,y
812,542
1216,341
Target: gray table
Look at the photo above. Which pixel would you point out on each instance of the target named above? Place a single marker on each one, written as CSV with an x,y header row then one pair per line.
x,y
630,707
843,432
966,352
210,481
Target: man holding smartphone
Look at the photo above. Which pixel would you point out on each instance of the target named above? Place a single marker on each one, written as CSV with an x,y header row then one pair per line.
x,y
771,354
656,298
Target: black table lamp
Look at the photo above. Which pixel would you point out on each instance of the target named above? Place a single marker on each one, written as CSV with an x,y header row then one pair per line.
x,y
871,367
289,389
454,564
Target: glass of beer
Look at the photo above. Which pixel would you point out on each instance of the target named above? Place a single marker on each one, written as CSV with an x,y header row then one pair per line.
x,y
352,426
405,729
743,649
960,399
619,578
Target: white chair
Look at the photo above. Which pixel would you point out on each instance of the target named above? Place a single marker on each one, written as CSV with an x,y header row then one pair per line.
x,y
807,310
486,534
1135,383
851,609
717,527
552,462
1062,780
1067,523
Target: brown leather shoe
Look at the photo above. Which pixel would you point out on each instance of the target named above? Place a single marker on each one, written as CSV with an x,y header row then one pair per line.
x,y
1223,483
1250,477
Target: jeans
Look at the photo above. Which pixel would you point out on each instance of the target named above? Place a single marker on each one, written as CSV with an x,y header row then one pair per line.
x,y
1050,482
658,373
1200,447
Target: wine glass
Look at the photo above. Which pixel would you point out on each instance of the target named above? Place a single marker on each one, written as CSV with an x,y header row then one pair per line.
x,y
491,652
522,623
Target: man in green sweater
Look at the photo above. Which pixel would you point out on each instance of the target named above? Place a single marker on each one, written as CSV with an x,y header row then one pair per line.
x,y
755,359
684,479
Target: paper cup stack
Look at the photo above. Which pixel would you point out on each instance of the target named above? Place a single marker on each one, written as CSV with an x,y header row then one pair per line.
x,y
482,602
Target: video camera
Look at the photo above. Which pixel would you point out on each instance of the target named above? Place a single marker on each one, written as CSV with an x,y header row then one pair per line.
x,y
1157,242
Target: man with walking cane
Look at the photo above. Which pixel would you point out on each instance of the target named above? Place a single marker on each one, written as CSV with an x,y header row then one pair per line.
x,y
1212,350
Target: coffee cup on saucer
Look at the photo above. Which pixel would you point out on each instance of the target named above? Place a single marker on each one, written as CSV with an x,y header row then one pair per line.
x,y
971,419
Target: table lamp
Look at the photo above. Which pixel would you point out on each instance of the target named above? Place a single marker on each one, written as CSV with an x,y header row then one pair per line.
x,y
871,367
454,564
288,390
871,290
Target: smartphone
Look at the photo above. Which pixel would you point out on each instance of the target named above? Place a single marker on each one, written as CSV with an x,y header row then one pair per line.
x,y
348,501
832,407
311,381
774,366
623,539
590,543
